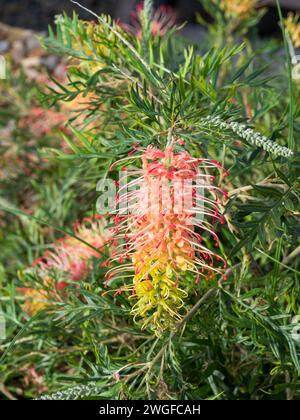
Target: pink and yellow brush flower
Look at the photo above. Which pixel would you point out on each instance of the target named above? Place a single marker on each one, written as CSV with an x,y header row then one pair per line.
x,y
69,261
174,208
164,18
42,122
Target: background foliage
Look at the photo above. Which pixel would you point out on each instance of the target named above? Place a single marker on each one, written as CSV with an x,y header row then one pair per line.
x,y
239,338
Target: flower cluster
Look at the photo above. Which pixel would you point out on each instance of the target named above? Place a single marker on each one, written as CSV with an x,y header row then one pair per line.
x,y
292,24
248,134
238,8
74,393
69,261
94,48
91,43
170,215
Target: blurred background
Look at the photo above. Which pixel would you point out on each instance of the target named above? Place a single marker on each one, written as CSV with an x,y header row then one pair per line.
x,y
22,20
37,14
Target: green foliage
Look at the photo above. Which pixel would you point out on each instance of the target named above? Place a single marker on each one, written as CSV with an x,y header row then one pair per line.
x,y
238,339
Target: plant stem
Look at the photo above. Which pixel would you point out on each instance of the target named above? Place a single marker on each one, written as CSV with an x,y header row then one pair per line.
x,y
291,143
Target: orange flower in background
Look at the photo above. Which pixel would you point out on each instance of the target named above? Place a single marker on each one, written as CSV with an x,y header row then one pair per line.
x,y
69,261
35,300
175,208
77,110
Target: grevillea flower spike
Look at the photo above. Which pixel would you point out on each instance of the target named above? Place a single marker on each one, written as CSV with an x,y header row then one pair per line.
x,y
173,209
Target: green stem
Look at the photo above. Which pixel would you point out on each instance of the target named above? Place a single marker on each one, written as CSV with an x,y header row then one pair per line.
x,y
291,142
